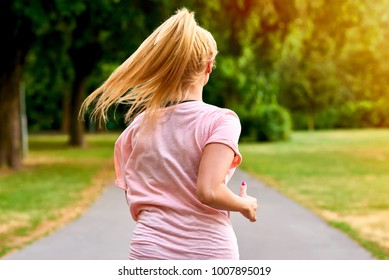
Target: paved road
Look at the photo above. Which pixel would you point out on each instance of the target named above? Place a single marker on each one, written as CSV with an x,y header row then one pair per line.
x,y
284,231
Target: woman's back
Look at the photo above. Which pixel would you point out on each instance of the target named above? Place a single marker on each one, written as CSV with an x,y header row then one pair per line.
x,y
159,172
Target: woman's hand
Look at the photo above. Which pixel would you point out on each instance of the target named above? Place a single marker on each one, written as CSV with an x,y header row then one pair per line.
x,y
250,212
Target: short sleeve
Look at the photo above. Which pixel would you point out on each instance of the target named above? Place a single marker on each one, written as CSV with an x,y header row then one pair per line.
x,y
226,130
119,165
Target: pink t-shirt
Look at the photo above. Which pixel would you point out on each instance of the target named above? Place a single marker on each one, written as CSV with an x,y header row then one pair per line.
x,y
159,172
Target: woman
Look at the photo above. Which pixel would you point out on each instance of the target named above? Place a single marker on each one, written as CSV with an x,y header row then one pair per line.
x,y
178,153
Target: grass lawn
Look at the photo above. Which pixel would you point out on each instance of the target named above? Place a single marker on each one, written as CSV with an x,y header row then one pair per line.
x,y
54,186
341,175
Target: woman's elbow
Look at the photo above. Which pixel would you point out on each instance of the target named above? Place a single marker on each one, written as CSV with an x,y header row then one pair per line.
x,y
205,197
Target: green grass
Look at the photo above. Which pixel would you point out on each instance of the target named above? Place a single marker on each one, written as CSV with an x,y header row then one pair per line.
x,y
341,175
54,183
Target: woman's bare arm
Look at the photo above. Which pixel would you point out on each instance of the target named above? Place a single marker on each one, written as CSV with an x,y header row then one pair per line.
x,y
214,165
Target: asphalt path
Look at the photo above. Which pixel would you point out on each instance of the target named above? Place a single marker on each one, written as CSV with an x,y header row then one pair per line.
x,y
284,231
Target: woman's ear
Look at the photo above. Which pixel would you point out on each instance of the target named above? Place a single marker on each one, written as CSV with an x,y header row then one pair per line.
x,y
209,67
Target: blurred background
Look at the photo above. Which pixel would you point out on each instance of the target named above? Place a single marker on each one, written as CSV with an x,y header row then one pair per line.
x,y
283,66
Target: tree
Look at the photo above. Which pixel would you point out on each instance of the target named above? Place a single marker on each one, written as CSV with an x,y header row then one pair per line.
x,y
308,86
17,36
48,78
22,22
364,62
309,67
102,32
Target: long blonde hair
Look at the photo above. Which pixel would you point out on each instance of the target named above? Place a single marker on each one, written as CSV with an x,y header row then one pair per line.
x,y
160,71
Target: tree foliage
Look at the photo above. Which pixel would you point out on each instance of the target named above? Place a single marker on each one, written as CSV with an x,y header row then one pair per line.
x,y
329,62
99,32
325,61
308,56
320,59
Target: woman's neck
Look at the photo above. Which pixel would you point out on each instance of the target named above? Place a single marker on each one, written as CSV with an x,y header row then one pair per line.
x,y
195,92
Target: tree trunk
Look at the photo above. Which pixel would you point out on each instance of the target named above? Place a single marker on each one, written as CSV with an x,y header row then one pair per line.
x,y
311,121
84,60
10,153
65,126
17,37
77,127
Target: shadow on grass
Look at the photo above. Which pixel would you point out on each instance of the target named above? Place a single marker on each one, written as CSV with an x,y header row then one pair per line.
x,y
48,142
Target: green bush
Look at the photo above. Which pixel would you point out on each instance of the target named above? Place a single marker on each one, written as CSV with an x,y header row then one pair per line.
x,y
246,121
272,123
363,114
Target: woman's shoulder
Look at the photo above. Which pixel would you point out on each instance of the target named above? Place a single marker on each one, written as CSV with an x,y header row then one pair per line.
x,y
216,110
211,117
